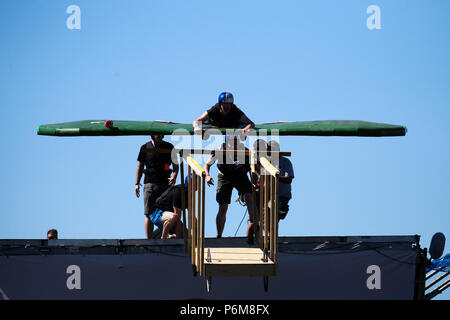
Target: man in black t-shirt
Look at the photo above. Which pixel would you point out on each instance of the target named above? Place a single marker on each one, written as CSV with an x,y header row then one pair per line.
x,y
154,160
224,114
233,170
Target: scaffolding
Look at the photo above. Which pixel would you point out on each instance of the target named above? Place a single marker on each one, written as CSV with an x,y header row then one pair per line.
x,y
231,261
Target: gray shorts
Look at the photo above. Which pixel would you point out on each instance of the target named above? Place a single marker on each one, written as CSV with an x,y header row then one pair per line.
x,y
151,192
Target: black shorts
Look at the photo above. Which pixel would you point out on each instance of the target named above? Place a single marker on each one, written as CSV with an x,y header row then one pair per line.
x,y
226,183
151,192
284,207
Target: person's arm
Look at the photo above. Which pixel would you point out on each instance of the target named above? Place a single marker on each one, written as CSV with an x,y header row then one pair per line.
x,y
139,171
248,127
286,179
207,166
177,201
288,173
197,123
173,177
244,120
177,211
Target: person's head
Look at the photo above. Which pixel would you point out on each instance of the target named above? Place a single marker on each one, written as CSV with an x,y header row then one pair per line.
x,y
260,145
231,142
226,101
157,138
273,146
52,234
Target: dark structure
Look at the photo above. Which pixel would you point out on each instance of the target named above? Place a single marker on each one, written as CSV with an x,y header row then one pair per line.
x,y
366,267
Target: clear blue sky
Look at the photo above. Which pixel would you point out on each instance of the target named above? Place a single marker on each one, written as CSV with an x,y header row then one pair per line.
x,y
288,60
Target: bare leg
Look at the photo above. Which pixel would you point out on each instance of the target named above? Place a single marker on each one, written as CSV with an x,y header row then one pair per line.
x,y
169,220
249,229
148,228
248,198
221,218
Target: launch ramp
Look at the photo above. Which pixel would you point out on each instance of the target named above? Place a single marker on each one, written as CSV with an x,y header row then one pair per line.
x,y
232,261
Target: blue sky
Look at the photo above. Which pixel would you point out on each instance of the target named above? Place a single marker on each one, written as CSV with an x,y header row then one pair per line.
x,y
289,60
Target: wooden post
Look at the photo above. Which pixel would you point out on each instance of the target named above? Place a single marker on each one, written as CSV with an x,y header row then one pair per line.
x,y
255,217
277,213
203,226
189,213
183,203
261,209
266,210
272,218
194,244
199,218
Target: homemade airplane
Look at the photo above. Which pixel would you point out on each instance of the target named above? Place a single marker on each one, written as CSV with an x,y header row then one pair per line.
x,y
354,128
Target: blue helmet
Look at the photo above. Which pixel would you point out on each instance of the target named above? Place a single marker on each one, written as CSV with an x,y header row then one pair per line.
x,y
226,97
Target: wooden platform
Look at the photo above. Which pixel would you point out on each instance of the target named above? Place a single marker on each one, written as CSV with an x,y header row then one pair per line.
x,y
238,262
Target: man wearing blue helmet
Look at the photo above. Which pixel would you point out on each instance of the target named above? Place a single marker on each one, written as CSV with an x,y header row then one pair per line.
x,y
224,114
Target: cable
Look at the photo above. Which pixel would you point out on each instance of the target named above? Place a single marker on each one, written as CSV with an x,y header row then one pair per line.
x,y
163,253
367,247
245,213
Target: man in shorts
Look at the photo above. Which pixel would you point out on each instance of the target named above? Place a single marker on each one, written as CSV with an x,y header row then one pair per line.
x,y
285,178
233,171
154,160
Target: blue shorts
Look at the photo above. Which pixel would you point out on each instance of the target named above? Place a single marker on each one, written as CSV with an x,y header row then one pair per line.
x,y
155,218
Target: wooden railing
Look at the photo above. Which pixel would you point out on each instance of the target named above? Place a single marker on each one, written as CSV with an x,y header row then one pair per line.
x,y
269,209
194,232
194,223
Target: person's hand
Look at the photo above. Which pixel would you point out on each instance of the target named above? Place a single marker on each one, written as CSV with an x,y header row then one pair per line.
x,y
245,131
197,130
209,181
172,180
197,127
137,190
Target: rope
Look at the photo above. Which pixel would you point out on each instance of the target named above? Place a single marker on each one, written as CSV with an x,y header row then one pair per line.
x,y
245,213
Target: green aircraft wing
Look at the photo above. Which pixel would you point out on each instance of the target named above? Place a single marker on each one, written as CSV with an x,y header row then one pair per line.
x,y
354,128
